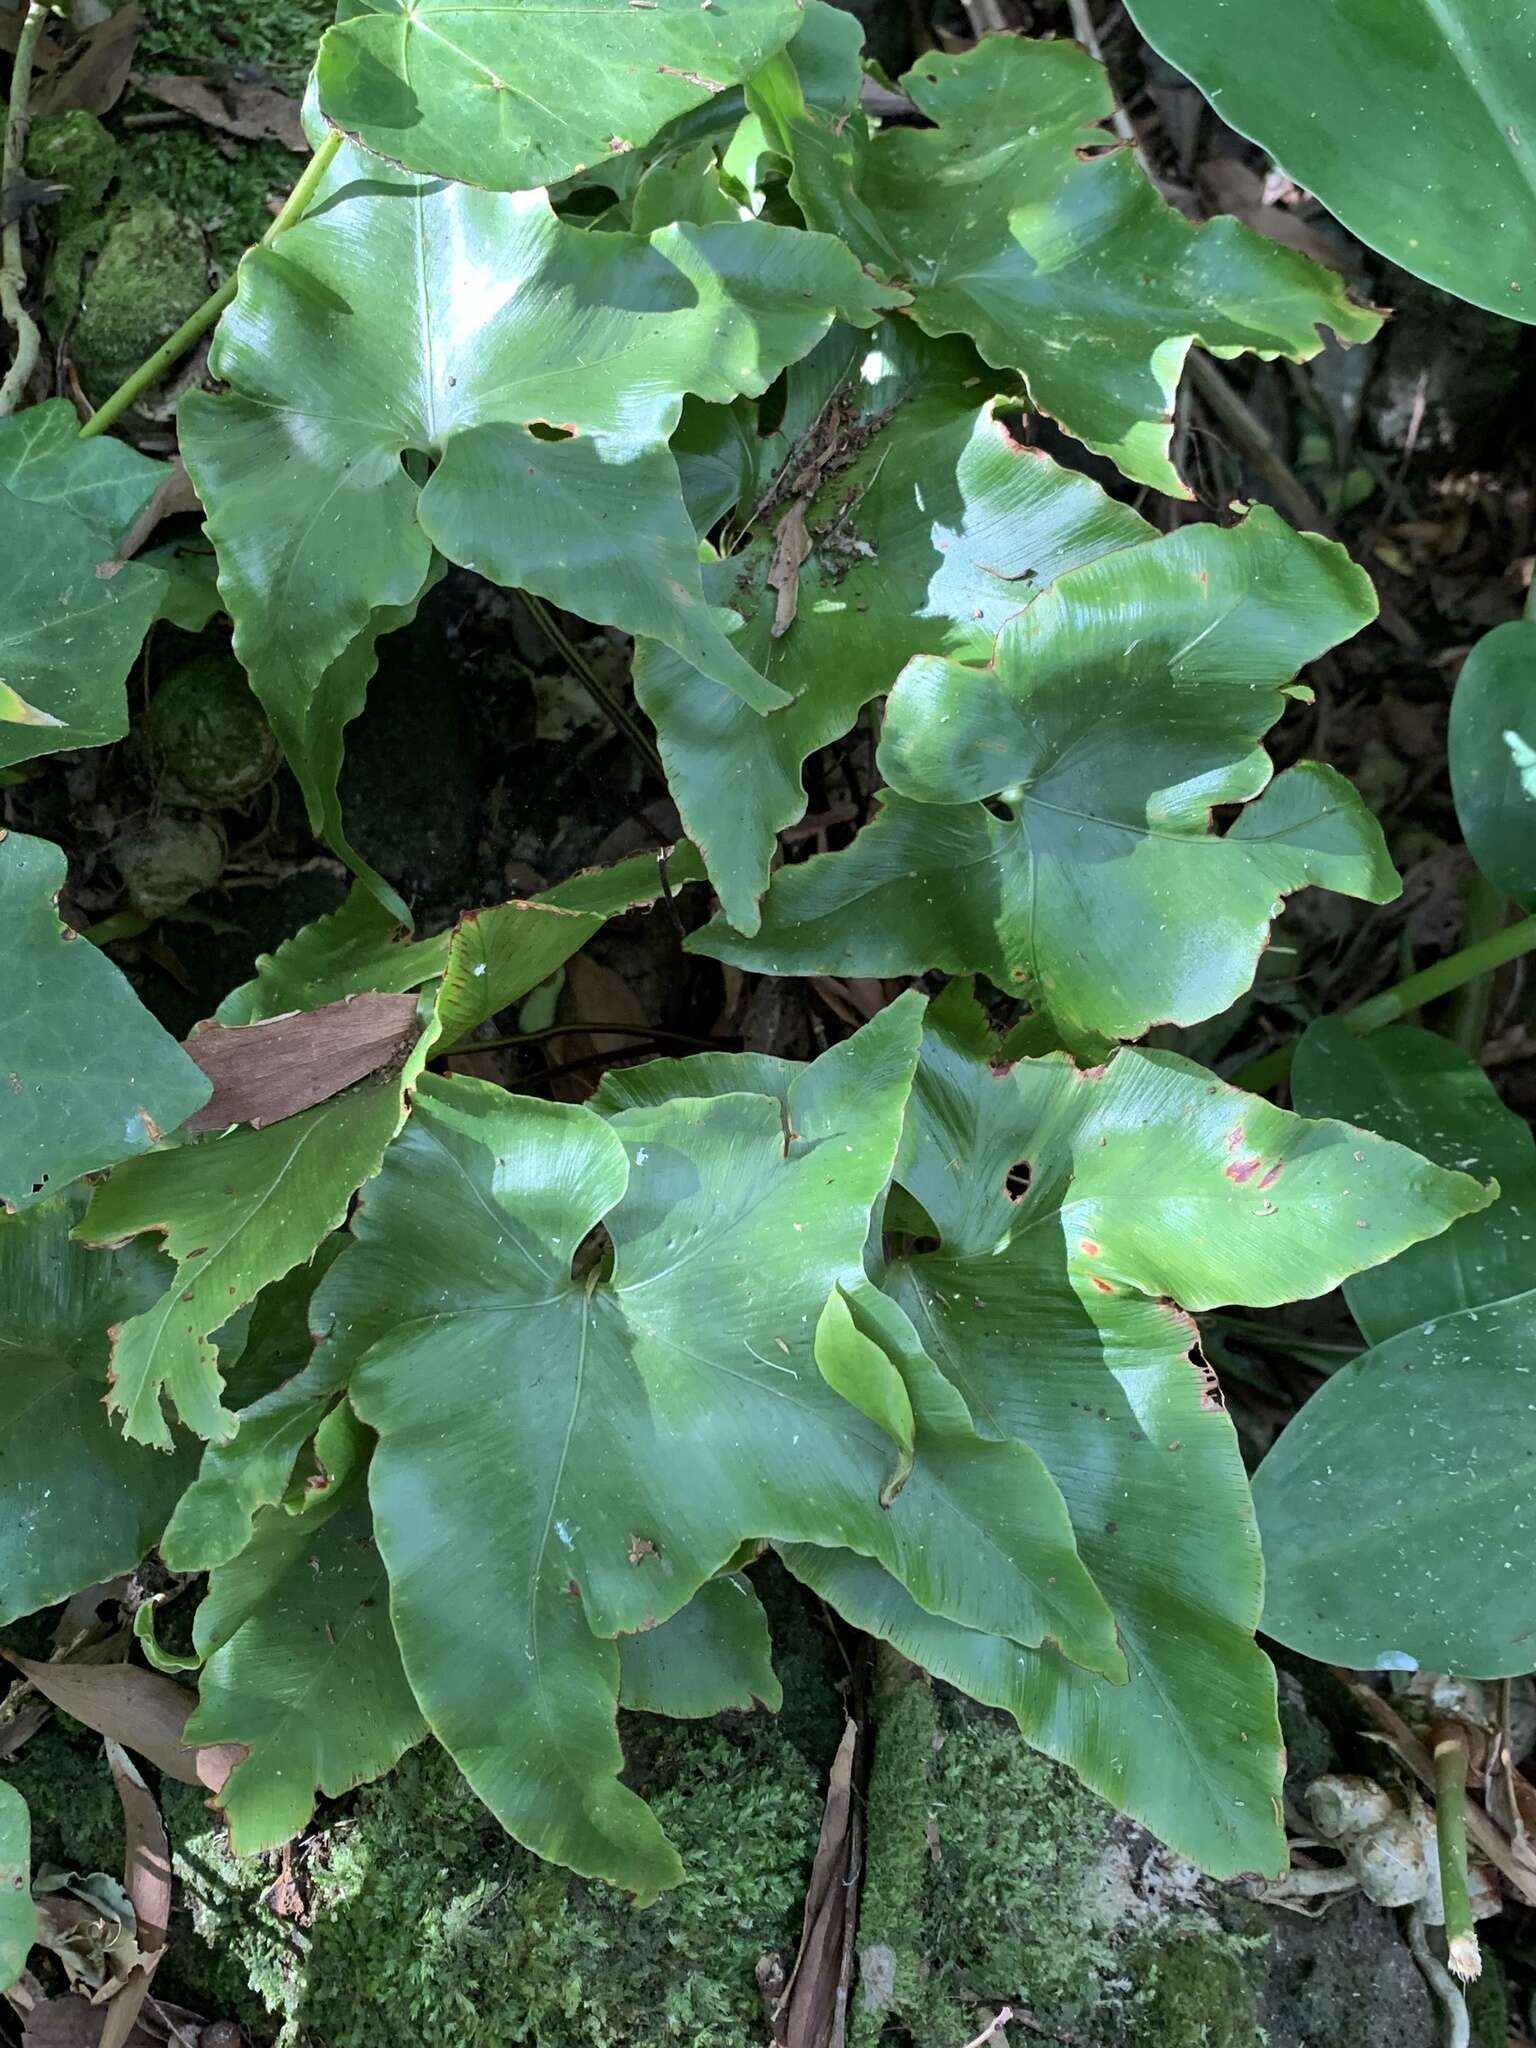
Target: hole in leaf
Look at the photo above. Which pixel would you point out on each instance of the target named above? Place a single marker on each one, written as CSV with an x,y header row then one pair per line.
x,y
1016,1180
917,1247
594,1257
541,430
999,809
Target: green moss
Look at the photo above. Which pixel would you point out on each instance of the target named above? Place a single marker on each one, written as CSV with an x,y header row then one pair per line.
x,y
75,151
1195,1987
226,197
277,37
430,1925
1488,2004
893,1935
211,743
981,1860
151,273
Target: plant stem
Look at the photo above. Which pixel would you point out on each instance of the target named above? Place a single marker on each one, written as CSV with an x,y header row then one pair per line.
x,y
1484,909
1453,972
582,1029
1450,1752
13,160
198,323
596,688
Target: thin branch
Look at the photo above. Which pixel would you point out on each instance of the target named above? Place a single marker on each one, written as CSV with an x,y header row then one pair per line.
x,y
586,674
13,161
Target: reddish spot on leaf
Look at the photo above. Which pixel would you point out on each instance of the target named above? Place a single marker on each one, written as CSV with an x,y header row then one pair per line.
x,y
1243,1169
640,1547
1234,1137
1086,1244
573,1589
1273,1174
1102,1285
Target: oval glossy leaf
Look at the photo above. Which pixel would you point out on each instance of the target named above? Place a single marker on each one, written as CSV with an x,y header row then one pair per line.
x,y
1492,746
1049,819
517,93
926,530
77,1504
302,1669
87,1077
1080,1216
522,321
1399,1508
566,1456
1019,221
236,1213
1423,1091
18,1915
712,1657
1382,108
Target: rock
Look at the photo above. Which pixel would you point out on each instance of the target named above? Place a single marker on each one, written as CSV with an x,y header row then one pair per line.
x,y
167,860
152,273
209,737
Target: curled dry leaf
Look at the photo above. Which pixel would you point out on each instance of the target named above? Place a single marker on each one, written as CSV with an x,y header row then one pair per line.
x,y
813,2010
264,1072
255,113
147,1881
142,1710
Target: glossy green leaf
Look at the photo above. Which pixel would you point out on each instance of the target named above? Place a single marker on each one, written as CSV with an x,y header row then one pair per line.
x,y
567,1457
77,1504
102,483
470,318
236,1212
1396,1508
87,1076
1420,1551
68,633
1081,1215
1049,818
1413,120
1492,745
1423,1091
926,536
302,1668
711,1657
18,1915
511,94
283,1392
356,948
1019,221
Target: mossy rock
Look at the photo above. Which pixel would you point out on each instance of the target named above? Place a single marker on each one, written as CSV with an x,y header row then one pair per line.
x,y
210,741
152,273
166,860
225,196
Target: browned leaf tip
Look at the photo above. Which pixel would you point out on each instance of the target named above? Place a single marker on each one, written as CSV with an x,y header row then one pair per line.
x,y
147,1881
143,1710
264,1072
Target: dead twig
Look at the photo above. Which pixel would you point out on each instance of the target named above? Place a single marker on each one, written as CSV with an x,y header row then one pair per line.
x,y
991,2031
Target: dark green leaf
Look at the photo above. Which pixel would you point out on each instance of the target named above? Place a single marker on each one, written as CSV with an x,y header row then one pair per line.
x,y
236,1213
302,1668
309,465
87,1076
18,1915
566,1458
1081,1216
927,533
1419,1089
711,1657
77,1504
1050,817
511,94
1018,221
1413,123
1493,757
102,483
1396,1508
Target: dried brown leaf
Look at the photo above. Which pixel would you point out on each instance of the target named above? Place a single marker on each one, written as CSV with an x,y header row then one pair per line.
x,y
143,1710
264,1072
254,113
71,2023
813,2010
791,549
94,69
